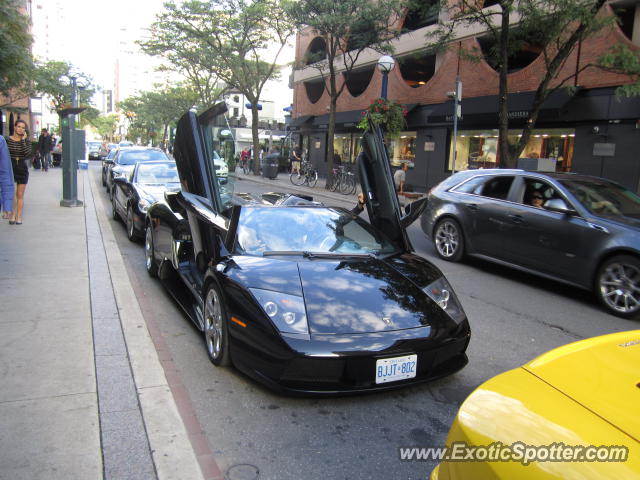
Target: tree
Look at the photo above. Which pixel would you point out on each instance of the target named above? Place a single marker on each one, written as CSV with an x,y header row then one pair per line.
x,y
555,26
188,57
52,79
16,64
621,59
153,112
348,28
239,40
106,125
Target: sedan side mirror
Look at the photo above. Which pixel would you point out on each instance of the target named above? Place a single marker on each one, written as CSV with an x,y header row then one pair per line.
x,y
560,206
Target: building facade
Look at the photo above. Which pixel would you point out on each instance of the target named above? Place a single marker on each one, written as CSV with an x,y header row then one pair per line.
x,y
587,129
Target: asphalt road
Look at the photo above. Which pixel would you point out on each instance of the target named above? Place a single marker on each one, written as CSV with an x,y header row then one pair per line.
x,y
514,317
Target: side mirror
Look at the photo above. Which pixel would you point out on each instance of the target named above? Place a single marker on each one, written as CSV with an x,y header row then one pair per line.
x,y
120,180
412,211
560,206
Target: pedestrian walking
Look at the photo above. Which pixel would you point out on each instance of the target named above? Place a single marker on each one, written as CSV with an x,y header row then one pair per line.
x,y
7,189
45,146
20,152
294,159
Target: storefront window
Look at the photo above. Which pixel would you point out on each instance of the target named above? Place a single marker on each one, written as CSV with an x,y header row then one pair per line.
x,y
402,149
343,148
479,148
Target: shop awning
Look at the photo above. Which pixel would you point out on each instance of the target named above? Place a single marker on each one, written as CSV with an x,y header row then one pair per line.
x,y
300,121
519,105
345,119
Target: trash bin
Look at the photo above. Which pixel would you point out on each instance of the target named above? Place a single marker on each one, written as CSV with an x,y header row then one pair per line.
x,y
270,165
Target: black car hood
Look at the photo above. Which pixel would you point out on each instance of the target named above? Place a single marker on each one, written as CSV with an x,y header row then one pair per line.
x,y
350,296
363,296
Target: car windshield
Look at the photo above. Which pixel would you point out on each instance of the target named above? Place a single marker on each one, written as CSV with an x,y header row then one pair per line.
x,y
604,198
95,144
111,154
271,230
133,156
157,173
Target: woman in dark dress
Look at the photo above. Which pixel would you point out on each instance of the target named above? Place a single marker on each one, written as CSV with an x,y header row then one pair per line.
x,y
20,151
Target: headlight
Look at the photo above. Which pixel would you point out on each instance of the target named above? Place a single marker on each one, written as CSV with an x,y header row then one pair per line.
x,y
286,311
441,292
143,205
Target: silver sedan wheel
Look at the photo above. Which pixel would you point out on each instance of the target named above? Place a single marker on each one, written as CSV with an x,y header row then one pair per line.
x,y
619,285
213,324
447,239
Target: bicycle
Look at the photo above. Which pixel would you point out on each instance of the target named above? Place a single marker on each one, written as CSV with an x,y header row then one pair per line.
x,y
307,175
343,181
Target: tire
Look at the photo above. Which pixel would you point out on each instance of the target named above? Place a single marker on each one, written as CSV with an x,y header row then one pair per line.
x,y
114,212
296,179
618,286
131,229
312,178
448,240
149,253
346,186
335,184
104,180
216,328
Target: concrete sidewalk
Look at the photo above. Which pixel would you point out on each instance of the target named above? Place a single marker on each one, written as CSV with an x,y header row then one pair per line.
x,y
83,395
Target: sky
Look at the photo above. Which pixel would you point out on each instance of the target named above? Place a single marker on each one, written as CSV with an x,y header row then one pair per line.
x,y
98,23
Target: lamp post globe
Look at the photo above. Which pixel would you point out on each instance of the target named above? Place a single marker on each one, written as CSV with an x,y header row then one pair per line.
x,y
385,65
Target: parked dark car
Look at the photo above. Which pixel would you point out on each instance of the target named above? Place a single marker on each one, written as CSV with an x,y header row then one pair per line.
x,y
583,230
133,194
300,296
93,150
108,160
125,159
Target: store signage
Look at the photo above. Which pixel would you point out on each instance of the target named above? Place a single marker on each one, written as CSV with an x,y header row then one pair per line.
x,y
604,149
429,146
449,118
317,145
518,114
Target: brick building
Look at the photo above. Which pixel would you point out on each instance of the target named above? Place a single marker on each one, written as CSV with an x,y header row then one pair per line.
x,y
588,129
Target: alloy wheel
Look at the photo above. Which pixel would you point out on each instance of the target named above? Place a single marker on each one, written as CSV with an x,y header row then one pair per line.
x,y
447,239
213,324
619,287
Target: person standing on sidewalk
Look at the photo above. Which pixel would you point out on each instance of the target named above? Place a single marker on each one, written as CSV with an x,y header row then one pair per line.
x,y
45,145
7,188
294,158
20,151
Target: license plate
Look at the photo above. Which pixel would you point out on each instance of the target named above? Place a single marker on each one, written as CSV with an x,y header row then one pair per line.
x,y
396,368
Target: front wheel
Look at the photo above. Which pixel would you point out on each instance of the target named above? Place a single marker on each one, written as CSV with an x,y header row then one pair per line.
x,y
618,286
448,240
312,178
150,261
131,229
114,211
216,328
296,179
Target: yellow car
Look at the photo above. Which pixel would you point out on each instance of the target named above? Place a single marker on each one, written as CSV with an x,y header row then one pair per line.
x,y
572,413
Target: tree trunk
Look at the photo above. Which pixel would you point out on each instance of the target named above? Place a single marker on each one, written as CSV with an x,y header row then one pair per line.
x,y
333,96
503,105
256,138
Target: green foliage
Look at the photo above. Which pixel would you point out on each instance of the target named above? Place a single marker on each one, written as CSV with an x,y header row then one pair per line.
x,y
552,27
106,125
389,114
151,113
348,28
237,40
16,64
621,59
53,79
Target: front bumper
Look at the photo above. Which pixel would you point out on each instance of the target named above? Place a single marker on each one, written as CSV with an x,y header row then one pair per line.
x,y
345,364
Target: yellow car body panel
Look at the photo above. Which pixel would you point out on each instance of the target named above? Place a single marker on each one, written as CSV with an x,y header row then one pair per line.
x,y
586,393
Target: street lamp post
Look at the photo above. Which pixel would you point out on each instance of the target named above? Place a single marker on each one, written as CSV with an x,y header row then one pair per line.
x,y
385,65
73,144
